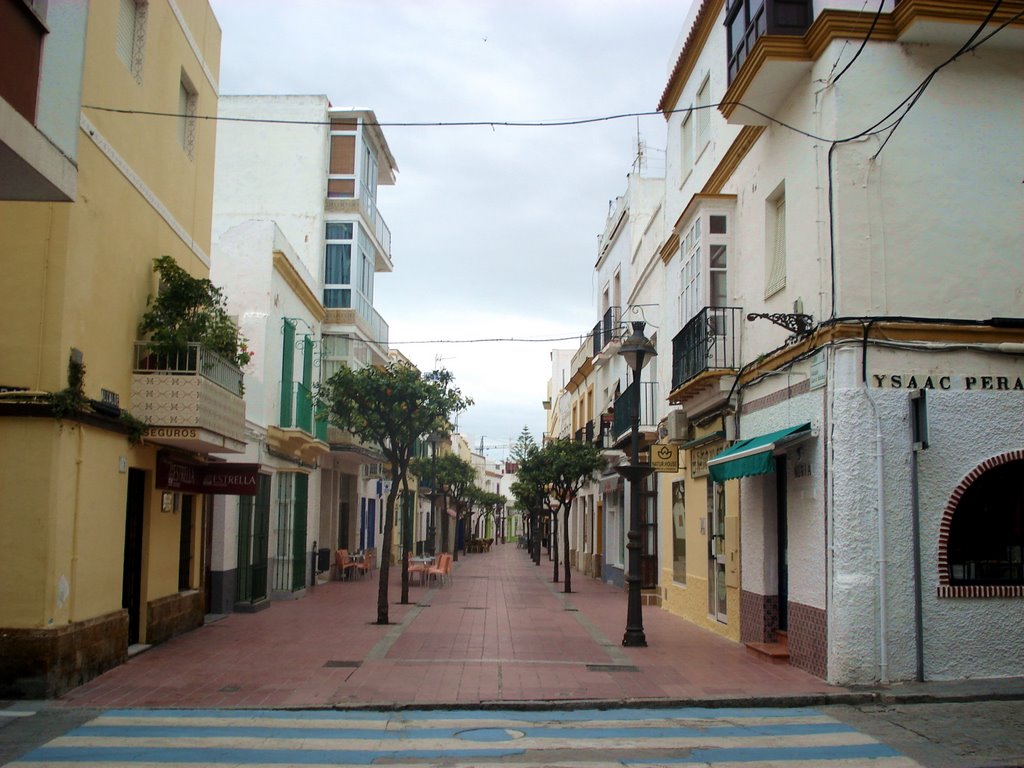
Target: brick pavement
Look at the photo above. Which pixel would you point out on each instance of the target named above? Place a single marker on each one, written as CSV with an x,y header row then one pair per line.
x,y
500,633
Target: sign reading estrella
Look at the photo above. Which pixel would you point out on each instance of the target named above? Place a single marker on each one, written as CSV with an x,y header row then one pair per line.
x,y
185,477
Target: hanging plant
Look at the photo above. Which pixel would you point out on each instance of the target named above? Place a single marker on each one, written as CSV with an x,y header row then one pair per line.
x,y
187,310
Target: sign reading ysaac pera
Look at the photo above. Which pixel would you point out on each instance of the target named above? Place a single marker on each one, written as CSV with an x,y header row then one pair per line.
x,y
979,382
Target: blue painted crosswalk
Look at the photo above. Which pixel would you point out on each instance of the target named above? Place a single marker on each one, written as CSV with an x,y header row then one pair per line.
x,y
620,737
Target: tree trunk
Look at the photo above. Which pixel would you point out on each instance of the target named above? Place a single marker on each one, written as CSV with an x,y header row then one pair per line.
x,y
385,557
565,550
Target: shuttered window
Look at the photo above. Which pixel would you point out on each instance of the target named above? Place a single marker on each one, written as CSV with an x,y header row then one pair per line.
x,y
777,255
126,31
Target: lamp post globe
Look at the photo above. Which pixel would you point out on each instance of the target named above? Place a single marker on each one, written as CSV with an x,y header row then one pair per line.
x,y
636,350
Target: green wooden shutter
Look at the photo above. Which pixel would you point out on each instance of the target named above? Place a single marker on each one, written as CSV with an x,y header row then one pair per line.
x,y
287,372
243,587
305,401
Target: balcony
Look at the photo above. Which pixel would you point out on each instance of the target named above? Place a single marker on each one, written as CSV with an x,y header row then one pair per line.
x,y
365,207
704,351
364,317
191,400
766,54
298,435
36,161
622,420
606,331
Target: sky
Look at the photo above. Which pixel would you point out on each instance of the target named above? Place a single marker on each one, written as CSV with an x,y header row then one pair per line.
x,y
494,228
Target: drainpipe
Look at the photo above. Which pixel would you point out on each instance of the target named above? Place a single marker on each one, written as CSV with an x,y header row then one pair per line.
x,y
883,613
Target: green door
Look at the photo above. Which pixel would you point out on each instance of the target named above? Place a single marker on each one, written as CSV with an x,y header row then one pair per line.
x,y
253,532
299,554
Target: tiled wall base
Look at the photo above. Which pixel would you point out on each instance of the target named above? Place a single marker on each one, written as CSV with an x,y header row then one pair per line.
x,y
170,616
45,663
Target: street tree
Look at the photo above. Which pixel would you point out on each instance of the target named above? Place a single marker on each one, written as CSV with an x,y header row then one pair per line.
x,y
529,487
392,406
452,475
569,465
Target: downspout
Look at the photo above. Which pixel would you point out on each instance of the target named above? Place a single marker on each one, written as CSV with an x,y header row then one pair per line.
x,y
883,614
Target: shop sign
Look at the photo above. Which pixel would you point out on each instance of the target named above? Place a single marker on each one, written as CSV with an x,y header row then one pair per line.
x,y
700,456
665,458
186,477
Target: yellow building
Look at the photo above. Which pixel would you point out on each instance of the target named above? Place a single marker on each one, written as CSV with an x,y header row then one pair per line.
x,y
103,532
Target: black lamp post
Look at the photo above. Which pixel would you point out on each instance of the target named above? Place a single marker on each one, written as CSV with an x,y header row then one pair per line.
x,y
635,350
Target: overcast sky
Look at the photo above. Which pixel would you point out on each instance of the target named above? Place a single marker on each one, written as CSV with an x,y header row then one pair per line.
x,y
494,229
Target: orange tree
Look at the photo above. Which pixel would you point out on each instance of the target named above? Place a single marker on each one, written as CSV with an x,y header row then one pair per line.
x,y
453,476
392,406
568,466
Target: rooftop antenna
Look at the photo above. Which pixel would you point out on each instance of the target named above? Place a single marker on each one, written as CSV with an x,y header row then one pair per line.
x,y
438,360
640,163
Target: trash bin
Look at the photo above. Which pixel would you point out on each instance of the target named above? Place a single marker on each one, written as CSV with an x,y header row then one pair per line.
x,y
323,560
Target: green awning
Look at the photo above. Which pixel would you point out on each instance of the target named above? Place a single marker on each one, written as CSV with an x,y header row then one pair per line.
x,y
755,455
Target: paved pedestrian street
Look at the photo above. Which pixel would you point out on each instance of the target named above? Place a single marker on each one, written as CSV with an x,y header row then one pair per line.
x,y
593,738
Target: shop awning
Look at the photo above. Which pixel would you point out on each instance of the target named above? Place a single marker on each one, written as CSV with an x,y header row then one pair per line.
x,y
755,455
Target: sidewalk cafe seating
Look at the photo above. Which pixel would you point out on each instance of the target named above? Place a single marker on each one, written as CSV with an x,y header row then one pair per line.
x,y
346,565
365,565
419,568
442,570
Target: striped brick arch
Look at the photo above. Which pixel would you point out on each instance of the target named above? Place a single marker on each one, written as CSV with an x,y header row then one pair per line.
x,y
945,588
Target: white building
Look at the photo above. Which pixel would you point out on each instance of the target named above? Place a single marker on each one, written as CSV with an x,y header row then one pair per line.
x,y
298,241
844,240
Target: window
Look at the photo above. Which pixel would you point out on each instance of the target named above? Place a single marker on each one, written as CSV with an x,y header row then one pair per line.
x,y
679,532
686,156
986,536
691,297
131,34
775,234
338,265
703,115
187,101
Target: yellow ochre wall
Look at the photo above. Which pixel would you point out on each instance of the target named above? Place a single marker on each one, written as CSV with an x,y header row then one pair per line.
x,y
78,276
690,601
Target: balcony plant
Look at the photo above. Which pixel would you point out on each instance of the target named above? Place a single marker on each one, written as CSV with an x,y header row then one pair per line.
x,y
186,310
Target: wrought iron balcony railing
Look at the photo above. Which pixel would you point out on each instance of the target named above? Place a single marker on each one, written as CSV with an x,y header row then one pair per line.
x,y
709,341
623,417
193,358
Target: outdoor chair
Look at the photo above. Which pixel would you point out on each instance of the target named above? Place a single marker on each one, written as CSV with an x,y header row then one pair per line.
x,y
417,568
345,565
365,565
443,569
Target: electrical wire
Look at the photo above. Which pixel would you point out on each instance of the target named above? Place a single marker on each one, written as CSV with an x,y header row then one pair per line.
x,y
864,42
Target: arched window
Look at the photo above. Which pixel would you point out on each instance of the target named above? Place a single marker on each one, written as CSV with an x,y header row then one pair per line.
x,y
984,542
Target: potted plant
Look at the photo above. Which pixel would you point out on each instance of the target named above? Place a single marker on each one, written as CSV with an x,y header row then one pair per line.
x,y
187,311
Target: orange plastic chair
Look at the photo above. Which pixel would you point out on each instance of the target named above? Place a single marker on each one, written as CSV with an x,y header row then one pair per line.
x,y
345,566
419,568
365,565
443,569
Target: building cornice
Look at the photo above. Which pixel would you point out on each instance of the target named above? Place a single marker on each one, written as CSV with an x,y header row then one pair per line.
x,y
701,30
832,25
297,284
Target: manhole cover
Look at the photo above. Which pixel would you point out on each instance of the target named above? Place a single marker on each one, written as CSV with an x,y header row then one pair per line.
x,y
612,668
490,734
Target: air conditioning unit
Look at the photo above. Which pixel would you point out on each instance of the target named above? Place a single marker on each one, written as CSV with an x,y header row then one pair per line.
x,y
678,426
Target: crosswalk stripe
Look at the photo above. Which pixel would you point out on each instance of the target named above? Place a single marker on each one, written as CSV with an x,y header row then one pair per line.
x,y
636,737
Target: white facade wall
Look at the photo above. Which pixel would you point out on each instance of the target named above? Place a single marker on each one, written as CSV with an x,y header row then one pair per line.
x,y
275,171
928,227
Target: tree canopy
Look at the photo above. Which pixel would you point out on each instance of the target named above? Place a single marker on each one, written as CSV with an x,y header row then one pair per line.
x,y
392,407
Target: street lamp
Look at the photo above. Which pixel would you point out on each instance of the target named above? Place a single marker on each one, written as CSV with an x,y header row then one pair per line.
x,y
635,350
